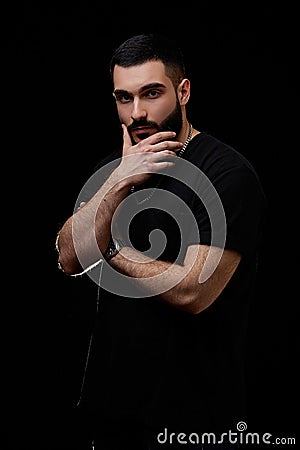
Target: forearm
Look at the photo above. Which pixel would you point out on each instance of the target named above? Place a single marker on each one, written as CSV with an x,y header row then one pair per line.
x,y
192,286
167,280
85,235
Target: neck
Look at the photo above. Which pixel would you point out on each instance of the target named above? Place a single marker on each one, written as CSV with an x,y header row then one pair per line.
x,y
188,138
184,133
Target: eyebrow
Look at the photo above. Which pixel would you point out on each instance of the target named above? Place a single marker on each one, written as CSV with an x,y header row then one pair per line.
x,y
142,89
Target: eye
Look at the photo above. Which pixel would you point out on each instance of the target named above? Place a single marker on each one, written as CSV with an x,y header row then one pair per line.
x,y
123,98
153,93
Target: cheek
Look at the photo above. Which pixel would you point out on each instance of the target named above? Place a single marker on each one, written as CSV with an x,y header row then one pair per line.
x,y
163,110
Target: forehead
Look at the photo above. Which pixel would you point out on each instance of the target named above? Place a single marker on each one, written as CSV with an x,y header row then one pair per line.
x,y
133,78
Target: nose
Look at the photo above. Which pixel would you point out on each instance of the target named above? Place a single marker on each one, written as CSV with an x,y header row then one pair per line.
x,y
138,110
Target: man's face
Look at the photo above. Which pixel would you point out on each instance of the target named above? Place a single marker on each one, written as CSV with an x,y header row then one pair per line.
x,y
146,100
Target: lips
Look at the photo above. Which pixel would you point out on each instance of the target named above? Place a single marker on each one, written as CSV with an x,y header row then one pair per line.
x,y
141,131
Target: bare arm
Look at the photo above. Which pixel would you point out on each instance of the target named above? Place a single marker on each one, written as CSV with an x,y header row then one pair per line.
x,y
85,235
193,286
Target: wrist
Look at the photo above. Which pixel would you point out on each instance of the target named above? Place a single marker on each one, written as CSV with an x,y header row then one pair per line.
x,y
121,182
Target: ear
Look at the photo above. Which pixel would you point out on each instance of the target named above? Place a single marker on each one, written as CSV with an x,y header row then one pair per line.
x,y
183,91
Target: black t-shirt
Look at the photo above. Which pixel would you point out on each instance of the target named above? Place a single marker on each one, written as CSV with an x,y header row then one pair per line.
x,y
162,366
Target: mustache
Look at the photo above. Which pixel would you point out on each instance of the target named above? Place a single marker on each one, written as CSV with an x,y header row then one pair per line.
x,y
142,123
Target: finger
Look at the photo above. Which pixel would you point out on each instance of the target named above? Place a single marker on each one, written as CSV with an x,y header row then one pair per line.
x,y
159,166
160,136
165,153
159,157
174,146
126,137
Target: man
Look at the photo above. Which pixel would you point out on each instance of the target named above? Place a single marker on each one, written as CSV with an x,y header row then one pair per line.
x,y
170,229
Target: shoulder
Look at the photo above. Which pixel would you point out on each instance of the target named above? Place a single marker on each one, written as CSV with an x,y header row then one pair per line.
x,y
219,160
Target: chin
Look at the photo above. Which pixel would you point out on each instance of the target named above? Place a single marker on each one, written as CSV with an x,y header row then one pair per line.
x,y
143,136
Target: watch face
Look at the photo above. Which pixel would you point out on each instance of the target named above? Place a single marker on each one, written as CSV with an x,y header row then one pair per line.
x,y
112,250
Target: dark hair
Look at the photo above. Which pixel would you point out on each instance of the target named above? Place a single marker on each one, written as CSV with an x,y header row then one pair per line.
x,y
142,48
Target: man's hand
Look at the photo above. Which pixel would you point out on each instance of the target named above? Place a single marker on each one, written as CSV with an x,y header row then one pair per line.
x,y
150,155
157,142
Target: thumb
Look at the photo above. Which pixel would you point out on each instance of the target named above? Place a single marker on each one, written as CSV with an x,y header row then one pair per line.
x,y
126,138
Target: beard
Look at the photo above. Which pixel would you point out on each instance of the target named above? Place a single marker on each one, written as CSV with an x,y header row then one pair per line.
x,y
173,122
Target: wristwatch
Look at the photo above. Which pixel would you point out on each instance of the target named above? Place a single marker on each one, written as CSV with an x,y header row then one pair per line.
x,y
113,249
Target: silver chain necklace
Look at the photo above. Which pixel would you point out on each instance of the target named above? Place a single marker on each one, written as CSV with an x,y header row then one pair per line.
x,y
180,153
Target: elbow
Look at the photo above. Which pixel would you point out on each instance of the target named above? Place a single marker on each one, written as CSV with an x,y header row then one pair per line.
x,y
195,301
67,267
191,303
66,262
69,263
194,308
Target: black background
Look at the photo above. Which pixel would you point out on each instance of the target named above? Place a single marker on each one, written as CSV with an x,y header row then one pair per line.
x,y
59,119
